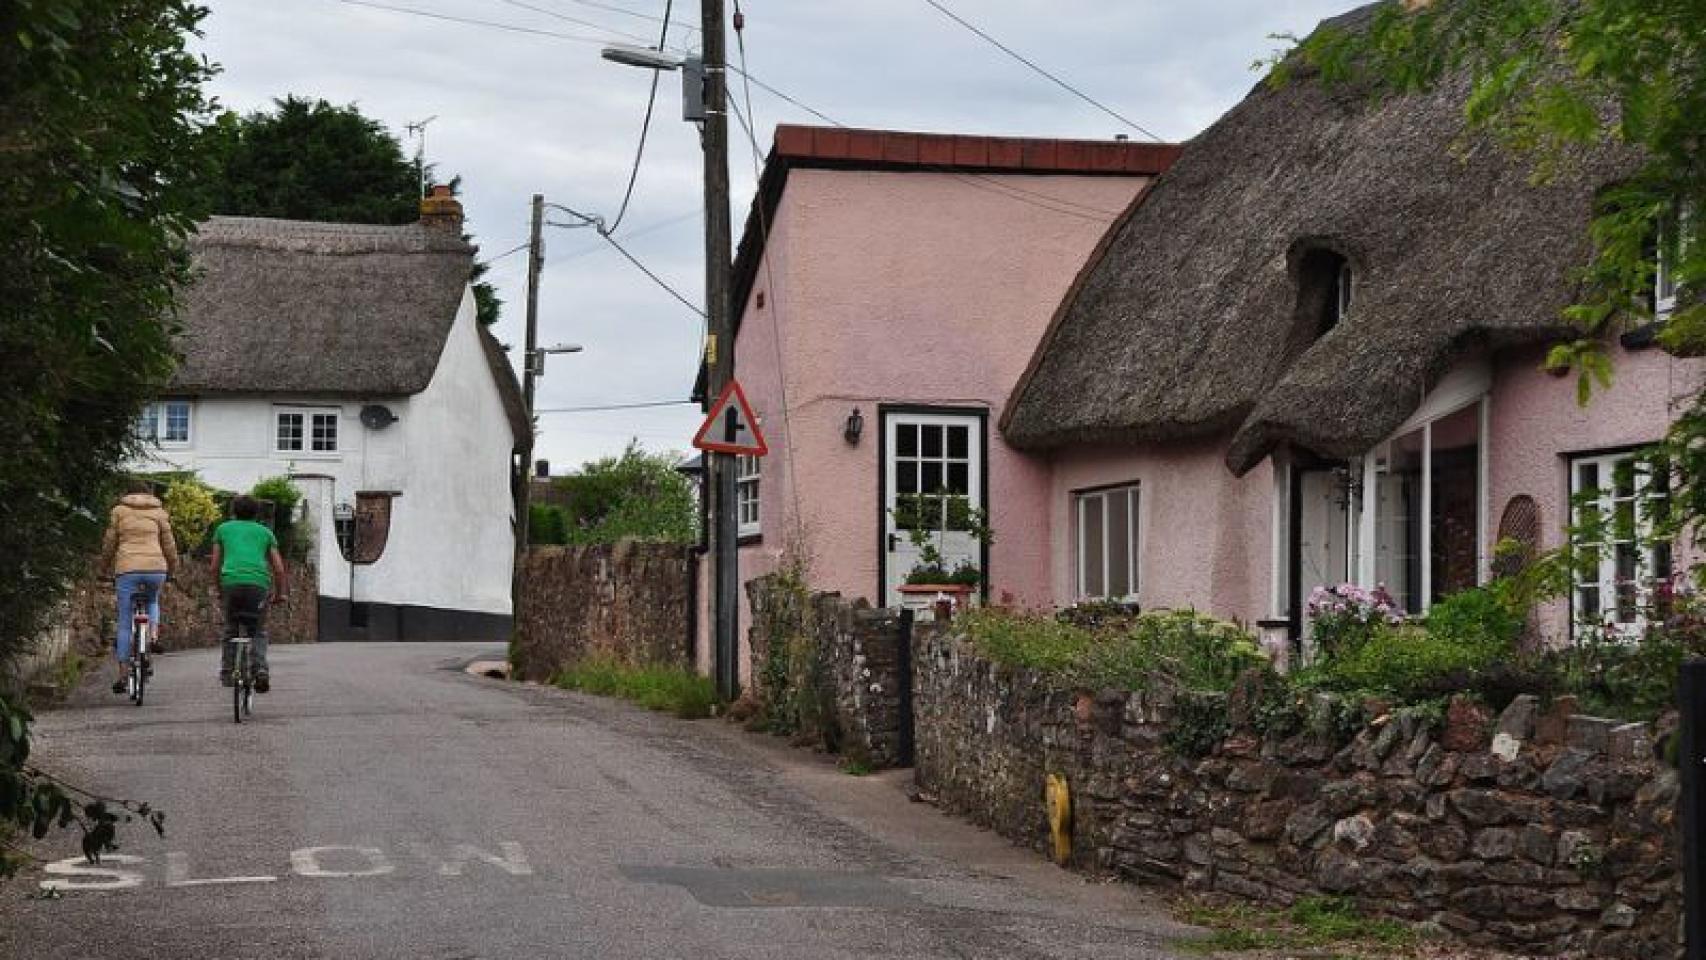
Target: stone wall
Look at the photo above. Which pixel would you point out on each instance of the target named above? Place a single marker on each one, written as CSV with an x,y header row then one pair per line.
x,y
830,671
1539,830
629,601
190,612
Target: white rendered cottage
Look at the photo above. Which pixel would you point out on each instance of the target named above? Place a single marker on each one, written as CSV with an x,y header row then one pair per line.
x,y
349,356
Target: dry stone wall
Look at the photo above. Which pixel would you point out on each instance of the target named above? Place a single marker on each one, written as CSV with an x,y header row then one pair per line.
x,y
833,669
190,612
628,601
1538,830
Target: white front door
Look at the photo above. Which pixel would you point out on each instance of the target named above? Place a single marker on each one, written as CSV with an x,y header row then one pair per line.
x,y
933,487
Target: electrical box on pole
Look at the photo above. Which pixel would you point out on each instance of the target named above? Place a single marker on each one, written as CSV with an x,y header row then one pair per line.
x,y
693,90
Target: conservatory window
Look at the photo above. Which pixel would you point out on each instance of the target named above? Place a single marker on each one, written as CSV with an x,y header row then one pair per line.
x,y
1427,509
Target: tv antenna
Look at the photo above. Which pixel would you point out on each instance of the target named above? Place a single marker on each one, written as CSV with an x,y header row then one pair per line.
x,y
416,131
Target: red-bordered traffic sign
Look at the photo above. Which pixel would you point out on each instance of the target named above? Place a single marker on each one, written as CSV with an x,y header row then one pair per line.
x,y
731,427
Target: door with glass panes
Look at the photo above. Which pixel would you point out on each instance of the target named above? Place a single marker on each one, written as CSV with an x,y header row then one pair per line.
x,y
933,494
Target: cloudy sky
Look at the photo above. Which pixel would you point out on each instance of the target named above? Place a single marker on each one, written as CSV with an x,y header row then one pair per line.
x,y
521,112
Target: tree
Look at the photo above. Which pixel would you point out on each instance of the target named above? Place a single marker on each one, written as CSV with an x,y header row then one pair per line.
x,y
102,148
1549,78
311,160
637,496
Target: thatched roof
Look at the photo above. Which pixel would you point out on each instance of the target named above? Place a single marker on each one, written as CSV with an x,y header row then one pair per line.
x,y
1188,322
291,307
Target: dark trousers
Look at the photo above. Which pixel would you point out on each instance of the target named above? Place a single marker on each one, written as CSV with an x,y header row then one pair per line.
x,y
245,615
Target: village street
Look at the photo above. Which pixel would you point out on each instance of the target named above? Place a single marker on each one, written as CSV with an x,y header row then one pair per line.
x,y
384,803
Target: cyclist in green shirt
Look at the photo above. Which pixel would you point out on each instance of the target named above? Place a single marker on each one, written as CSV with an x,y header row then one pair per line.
x,y
250,572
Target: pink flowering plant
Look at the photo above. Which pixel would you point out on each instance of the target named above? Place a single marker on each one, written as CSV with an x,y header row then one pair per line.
x,y
1344,617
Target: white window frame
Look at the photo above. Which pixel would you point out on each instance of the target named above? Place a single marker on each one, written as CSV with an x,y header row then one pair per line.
x,y
1647,556
749,509
153,424
1134,528
307,440
1664,274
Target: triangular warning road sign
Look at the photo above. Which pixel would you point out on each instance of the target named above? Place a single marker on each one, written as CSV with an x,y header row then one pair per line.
x,y
730,427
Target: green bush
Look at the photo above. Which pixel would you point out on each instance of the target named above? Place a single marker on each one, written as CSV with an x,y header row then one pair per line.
x,y
193,509
1195,651
1407,662
670,689
547,525
1480,617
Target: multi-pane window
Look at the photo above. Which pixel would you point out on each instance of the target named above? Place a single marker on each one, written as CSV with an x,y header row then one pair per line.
x,y
306,431
747,470
1619,500
166,423
932,463
1106,524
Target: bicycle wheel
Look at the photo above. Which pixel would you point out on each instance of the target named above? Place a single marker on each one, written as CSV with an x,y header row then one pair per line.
x,y
138,659
237,681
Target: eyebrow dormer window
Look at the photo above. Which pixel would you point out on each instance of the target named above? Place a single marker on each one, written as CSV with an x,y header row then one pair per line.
x,y
1326,290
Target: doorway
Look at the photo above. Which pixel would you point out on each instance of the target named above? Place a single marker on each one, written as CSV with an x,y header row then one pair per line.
x,y
933,485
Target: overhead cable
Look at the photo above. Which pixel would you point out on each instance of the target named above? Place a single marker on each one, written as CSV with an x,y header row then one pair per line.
x,y
1057,81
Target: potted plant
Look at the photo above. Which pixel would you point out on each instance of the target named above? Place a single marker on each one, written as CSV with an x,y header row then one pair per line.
x,y
932,583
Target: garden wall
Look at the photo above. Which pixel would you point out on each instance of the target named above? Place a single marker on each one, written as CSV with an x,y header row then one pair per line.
x,y
1539,830
630,601
831,672
190,613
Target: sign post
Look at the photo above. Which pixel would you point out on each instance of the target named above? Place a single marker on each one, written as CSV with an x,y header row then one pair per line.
x,y
730,431
1691,761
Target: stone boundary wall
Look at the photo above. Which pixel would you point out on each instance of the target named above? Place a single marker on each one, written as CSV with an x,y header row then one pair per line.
x,y
1540,830
842,669
630,601
190,612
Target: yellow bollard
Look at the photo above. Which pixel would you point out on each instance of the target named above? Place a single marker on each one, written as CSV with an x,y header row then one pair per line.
x,y
1059,800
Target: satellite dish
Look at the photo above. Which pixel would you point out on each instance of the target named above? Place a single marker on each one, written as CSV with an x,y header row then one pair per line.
x,y
377,416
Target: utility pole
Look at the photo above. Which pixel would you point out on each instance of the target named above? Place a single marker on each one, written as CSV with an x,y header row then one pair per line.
x,y
720,349
529,364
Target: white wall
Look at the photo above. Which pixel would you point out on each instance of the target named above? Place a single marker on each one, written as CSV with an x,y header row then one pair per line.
x,y
448,455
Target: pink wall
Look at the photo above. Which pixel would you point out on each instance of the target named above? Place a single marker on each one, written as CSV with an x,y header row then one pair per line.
x,y
1205,536
904,287
1536,423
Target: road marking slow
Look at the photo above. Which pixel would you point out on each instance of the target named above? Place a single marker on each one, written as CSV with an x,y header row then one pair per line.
x,y
326,862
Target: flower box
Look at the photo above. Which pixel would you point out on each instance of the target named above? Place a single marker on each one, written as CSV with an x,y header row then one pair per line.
x,y
930,601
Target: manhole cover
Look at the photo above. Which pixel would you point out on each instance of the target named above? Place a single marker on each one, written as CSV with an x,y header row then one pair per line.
x,y
754,888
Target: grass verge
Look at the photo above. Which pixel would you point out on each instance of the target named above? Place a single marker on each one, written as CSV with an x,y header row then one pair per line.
x,y
671,689
1332,925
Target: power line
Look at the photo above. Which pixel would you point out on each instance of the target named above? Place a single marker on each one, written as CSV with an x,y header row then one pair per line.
x,y
627,12
475,22
602,408
524,5
646,124
630,235
1057,81
511,251
597,223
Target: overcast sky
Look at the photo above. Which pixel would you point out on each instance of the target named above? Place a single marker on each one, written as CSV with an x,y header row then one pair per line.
x,y
521,113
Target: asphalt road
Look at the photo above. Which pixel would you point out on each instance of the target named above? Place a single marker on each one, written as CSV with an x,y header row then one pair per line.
x,y
382,803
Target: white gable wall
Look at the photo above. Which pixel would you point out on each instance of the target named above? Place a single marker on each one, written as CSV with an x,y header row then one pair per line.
x,y
448,456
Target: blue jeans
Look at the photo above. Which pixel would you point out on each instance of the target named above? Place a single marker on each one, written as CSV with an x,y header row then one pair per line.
x,y
130,586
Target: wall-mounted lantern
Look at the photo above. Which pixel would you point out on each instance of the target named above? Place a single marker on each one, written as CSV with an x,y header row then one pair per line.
x,y
855,426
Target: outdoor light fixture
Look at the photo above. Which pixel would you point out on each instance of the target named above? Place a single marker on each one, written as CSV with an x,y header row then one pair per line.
x,y
855,426
536,358
647,58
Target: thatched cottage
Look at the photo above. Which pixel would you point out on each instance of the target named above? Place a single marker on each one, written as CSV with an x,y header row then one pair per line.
x,y
1311,353
349,357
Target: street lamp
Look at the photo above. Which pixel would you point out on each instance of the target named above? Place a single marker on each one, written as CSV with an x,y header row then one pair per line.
x,y
705,101
535,359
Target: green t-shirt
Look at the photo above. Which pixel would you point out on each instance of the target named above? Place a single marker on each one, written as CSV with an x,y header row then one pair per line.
x,y
245,544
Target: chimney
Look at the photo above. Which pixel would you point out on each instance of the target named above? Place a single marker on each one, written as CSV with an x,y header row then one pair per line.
x,y
441,211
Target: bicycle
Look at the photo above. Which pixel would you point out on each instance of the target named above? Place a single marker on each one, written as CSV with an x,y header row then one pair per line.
x,y
141,634
242,679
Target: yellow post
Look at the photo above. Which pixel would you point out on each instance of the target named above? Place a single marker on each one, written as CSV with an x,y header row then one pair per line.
x,y
1059,799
